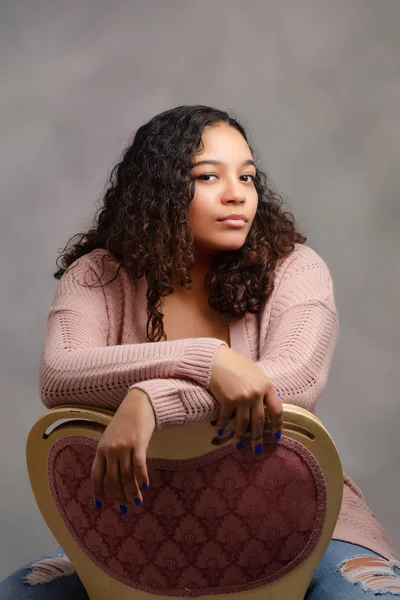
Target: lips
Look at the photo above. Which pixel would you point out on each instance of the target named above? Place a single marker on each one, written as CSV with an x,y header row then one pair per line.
x,y
237,223
233,217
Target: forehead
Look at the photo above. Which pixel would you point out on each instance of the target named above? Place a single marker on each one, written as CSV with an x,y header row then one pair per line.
x,y
223,142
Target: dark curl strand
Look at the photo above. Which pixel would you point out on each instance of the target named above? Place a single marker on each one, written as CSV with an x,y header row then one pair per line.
x,y
143,222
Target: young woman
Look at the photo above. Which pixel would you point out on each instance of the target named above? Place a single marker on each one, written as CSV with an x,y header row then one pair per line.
x,y
194,297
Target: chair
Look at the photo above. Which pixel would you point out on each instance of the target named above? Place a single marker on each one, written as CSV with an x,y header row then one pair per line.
x,y
214,521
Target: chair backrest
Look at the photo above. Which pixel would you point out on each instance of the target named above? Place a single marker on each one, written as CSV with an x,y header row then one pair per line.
x,y
214,520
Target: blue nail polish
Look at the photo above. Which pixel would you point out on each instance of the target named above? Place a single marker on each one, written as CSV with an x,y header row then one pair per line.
x,y
144,486
258,449
123,509
279,396
98,504
220,431
278,434
137,501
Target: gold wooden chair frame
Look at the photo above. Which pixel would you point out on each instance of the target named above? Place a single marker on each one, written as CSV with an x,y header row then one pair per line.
x,y
186,442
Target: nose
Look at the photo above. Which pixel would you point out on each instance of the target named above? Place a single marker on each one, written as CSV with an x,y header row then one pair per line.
x,y
233,191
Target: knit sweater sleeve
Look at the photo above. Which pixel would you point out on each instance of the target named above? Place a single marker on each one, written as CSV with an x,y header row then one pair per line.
x,y
297,350
297,345
78,366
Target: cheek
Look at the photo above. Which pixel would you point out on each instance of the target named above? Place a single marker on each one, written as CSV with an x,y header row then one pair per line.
x,y
200,214
200,223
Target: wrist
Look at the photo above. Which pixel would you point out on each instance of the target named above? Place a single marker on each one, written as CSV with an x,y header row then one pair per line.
x,y
137,397
135,393
134,397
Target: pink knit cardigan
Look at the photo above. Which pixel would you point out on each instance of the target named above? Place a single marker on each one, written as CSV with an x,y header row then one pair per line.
x,y
94,351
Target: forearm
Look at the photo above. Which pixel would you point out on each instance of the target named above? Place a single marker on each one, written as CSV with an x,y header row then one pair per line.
x,y
101,376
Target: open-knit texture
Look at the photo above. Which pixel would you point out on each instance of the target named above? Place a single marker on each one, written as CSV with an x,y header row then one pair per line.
x,y
94,351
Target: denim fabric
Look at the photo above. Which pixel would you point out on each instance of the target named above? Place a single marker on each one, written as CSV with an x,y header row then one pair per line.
x,y
327,583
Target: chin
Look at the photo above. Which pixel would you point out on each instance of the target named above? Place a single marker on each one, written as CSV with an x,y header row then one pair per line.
x,y
229,247
215,246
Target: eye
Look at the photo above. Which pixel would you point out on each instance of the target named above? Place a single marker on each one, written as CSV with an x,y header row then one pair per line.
x,y
212,175
248,175
205,175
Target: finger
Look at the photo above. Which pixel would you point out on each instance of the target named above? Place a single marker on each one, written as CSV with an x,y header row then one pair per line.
x,y
267,424
140,470
97,477
275,409
257,425
127,473
242,423
225,413
114,479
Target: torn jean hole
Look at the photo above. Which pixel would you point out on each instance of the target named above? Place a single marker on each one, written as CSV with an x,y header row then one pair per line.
x,y
48,568
373,573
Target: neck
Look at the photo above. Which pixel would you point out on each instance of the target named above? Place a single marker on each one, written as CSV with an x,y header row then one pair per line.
x,y
198,290
197,286
202,265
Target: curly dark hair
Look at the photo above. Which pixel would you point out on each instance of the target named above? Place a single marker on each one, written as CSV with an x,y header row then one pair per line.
x,y
143,222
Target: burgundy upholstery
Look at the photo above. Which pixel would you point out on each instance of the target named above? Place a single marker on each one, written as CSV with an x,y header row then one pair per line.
x,y
223,522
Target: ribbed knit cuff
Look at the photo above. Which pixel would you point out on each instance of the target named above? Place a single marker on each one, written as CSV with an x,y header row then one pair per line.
x,y
165,400
198,361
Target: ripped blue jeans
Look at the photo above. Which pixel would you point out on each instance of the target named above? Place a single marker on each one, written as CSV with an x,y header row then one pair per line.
x,y
345,571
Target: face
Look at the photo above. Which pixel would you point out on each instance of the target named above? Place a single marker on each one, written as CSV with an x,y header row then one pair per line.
x,y
224,185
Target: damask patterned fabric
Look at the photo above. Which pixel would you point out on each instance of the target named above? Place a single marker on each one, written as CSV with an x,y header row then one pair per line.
x,y
222,522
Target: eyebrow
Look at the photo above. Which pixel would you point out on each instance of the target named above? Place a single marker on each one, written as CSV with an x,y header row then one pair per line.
x,y
218,162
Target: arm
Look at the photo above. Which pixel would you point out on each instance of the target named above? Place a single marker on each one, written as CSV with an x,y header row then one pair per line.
x,y
302,333
296,354
179,402
78,366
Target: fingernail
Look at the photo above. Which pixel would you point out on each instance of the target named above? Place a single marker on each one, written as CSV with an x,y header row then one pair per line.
x,y
239,445
144,486
98,504
123,509
279,396
137,501
278,434
220,431
258,449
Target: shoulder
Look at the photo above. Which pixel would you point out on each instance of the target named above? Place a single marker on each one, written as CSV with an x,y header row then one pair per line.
x,y
96,267
303,262
97,259
302,281
303,276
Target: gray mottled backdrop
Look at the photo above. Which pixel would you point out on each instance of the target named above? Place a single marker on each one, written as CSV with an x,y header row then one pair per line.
x,y
317,84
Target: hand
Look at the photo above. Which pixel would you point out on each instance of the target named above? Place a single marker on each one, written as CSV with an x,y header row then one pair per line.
x,y
238,384
121,451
